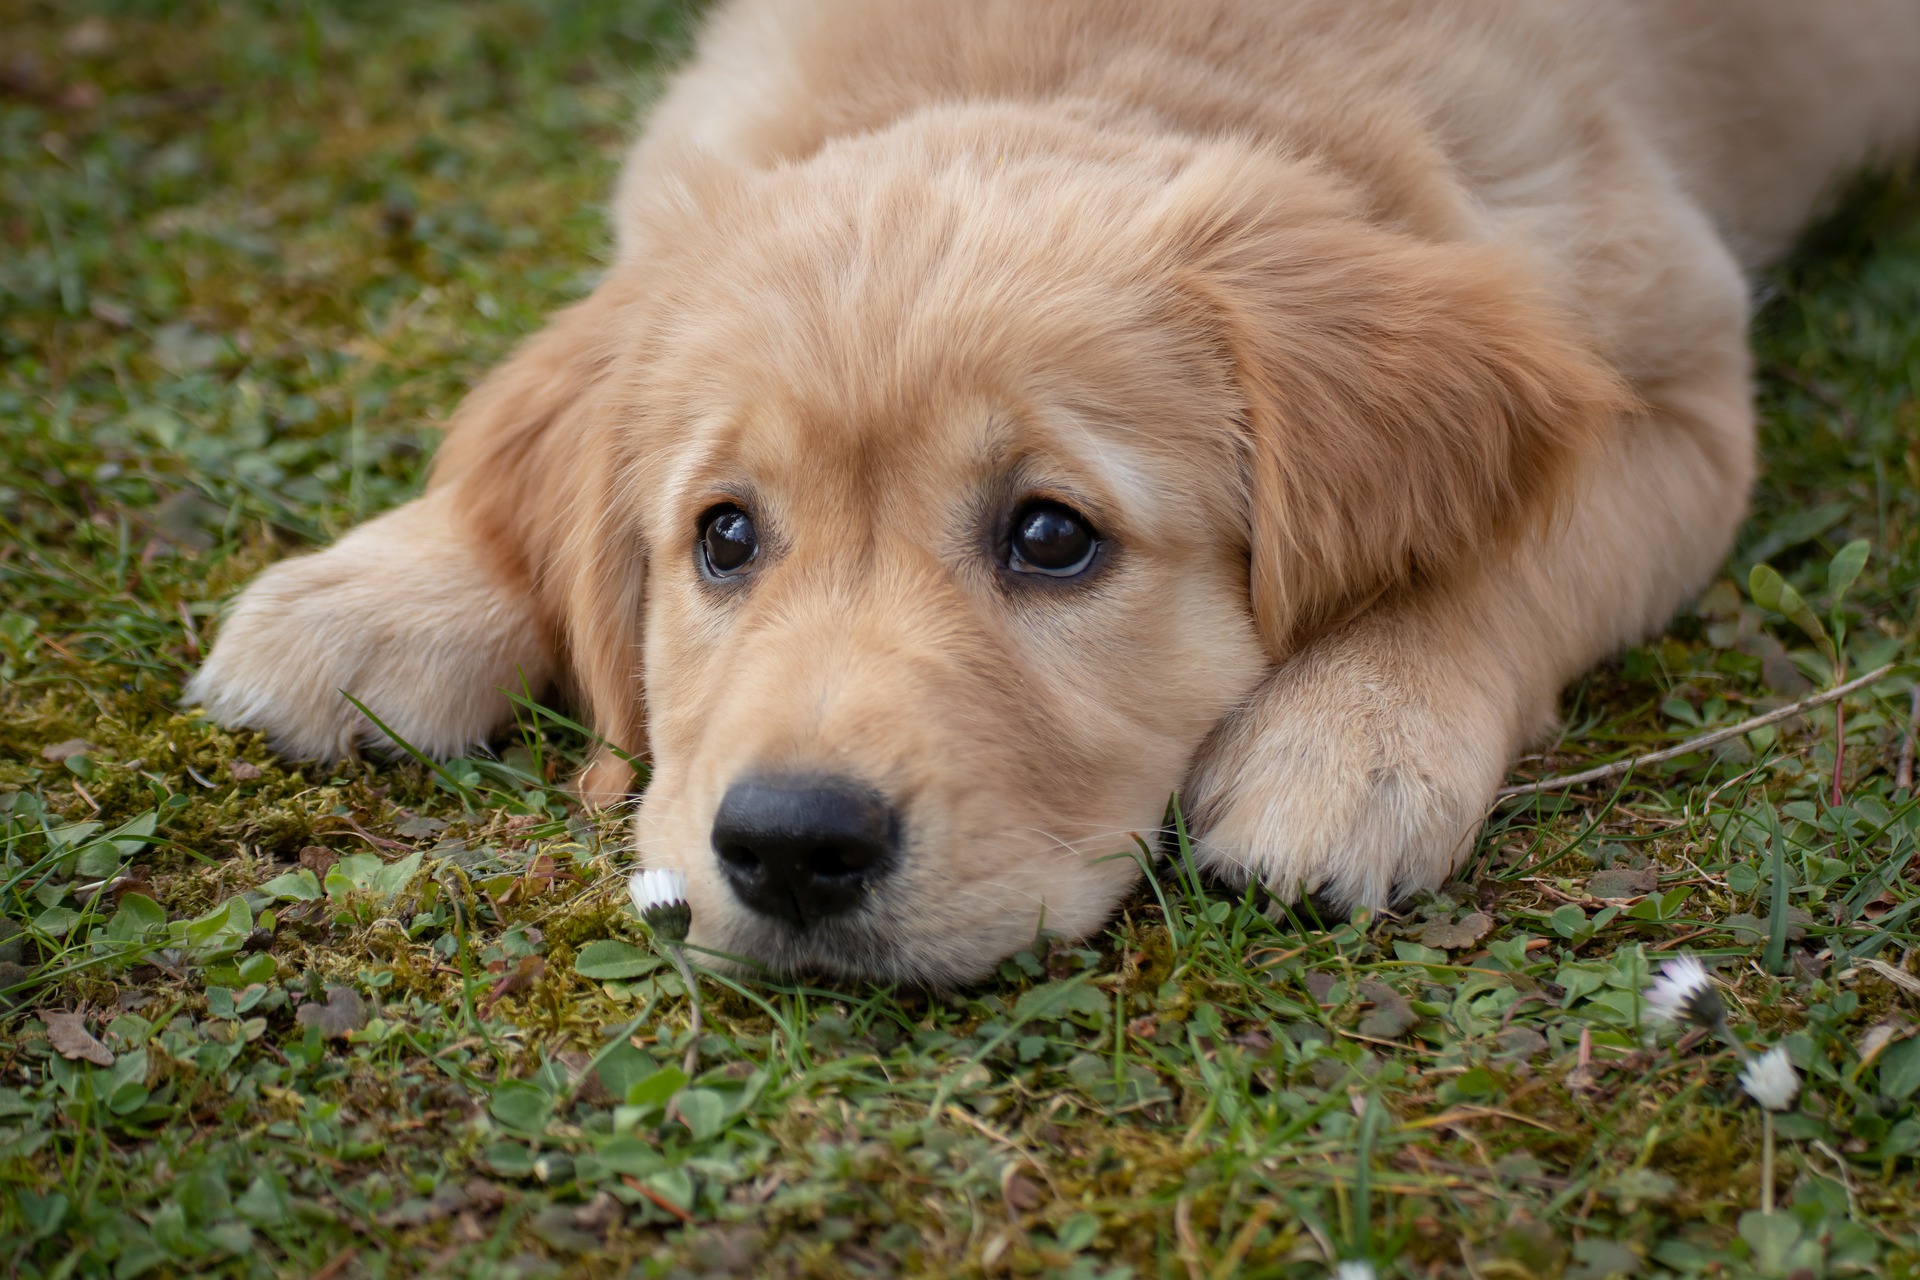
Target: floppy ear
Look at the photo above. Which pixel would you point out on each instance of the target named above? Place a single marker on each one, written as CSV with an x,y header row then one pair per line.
x,y
1405,402
539,472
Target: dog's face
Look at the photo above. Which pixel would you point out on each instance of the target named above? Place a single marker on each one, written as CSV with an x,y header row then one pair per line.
x,y
947,576
948,475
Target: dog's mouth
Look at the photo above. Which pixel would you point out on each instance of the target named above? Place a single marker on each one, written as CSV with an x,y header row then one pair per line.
x,y
818,877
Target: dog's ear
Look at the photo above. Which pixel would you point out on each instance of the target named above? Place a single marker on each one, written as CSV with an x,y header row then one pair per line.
x,y
1405,402
541,479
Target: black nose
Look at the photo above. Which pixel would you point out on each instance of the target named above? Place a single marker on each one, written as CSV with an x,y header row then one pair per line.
x,y
804,848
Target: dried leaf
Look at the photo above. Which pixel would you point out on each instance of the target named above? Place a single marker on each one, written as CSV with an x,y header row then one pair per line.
x,y
242,771
1620,882
531,969
1457,936
62,751
588,1086
413,826
1021,1193
1747,927
67,1033
1392,1016
1898,977
343,1013
1521,1043
318,860
1878,1037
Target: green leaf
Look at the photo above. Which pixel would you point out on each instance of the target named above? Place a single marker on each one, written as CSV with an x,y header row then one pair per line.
x,y
1845,569
295,886
630,1155
128,1098
1772,1236
131,836
1771,591
520,1105
1077,1232
509,1159
655,1089
265,1202
610,960
44,1214
137,917
56,921
220,931
392,879
203,1194
623,1067
1900,1069
704,1111
259,968
73,835
97,861
1570,921
673,1184
1059,1000
352,874
1414,953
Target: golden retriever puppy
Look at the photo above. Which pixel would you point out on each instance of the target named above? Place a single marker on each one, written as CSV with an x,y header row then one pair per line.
x,y
1003,414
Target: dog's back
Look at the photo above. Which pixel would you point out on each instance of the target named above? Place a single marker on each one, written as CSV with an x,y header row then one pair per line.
x,y
1766,103
1758,104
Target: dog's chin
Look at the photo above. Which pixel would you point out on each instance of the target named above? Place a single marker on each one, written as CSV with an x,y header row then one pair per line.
x,y
870,945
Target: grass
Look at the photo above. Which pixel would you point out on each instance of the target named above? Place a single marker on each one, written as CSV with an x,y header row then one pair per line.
x,y
383,1020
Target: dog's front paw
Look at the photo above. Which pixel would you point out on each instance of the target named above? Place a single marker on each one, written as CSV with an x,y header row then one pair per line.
x,y
1354,774
401,615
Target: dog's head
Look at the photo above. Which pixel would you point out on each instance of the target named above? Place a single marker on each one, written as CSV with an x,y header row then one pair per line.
x,y
946,489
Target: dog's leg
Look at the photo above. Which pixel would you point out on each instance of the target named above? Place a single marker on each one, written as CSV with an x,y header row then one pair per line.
x,y
404,615
431,613
1364,766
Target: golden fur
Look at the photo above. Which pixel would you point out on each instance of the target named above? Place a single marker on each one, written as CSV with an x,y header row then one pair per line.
x,y
1397,348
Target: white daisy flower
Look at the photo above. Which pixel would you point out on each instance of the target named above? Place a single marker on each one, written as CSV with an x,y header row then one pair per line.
x,y
1354,1270
1771,1080
660,896
1684,993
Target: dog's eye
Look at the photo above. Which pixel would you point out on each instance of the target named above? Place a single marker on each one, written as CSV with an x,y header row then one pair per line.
x,y
728,542
1052,540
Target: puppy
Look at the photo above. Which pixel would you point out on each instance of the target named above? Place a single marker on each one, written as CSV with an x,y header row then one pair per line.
x,y
1003,415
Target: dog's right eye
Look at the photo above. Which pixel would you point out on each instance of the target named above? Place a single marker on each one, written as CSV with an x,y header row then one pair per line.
x,y
1052,541
728,542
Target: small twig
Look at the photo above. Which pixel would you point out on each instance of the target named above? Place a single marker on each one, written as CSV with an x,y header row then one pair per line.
x,y
659,1201
378,842
1236,1253
1691,745
1903,774
1189,1250
1839,754
339,1263
192,632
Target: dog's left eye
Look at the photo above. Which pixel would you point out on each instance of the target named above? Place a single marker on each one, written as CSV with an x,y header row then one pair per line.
x,y
728,542
1051,540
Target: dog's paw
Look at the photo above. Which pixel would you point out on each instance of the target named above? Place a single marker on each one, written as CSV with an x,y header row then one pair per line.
x,y
400,614
1354,775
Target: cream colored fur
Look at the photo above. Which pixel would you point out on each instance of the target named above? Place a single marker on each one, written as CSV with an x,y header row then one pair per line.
x,y
1399,348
